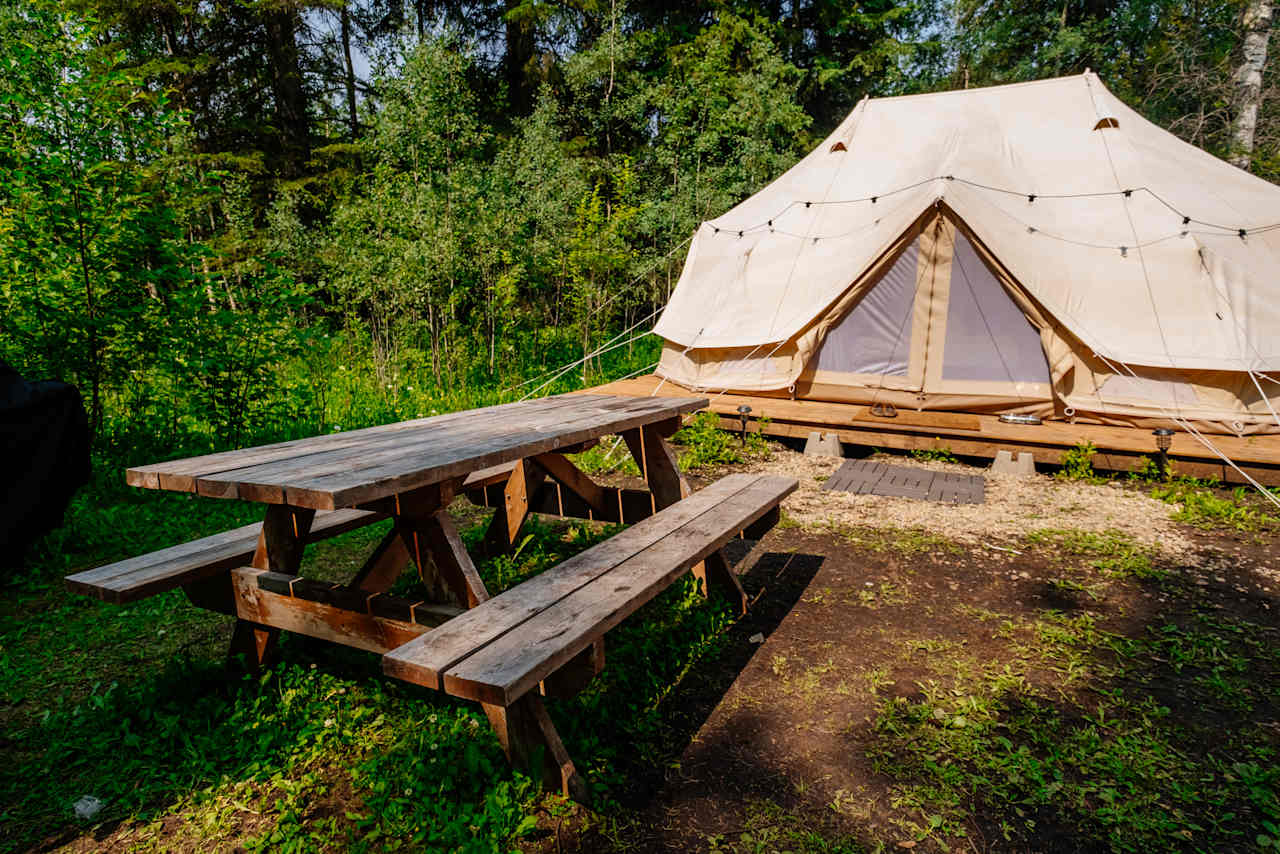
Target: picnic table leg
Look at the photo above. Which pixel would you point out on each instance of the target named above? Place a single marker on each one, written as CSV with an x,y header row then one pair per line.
x,y
658,465
434,541
385,565
530,740
280,546
718,574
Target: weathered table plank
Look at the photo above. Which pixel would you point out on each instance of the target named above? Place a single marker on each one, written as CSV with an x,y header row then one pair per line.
x,y
343,470
179,475
262,481
415,470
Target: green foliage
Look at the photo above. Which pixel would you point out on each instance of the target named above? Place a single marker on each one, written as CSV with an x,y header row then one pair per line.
x,y
939,454
1077,462
1120,774
705,444
1097,752
727,121
1113,552
1206,507
1146,470
608,457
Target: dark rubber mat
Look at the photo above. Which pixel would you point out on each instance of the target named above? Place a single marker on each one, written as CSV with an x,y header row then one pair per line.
x,y
871,478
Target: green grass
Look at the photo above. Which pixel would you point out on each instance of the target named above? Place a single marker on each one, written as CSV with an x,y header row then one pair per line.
x,y
1114,553
1093,754
940,454
905,541
770,827
133,706
609,456
1204,506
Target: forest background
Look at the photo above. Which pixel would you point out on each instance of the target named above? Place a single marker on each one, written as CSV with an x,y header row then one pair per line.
x,y
235,221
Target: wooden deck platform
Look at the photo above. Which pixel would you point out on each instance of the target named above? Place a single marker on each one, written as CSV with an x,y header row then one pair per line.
x,y
967,434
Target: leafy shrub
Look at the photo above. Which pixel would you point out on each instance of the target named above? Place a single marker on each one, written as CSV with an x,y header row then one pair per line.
x,y
1077,463
1206,508
1145,470
705,444
939,454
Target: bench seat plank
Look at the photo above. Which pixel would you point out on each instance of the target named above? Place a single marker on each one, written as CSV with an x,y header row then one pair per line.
x,y
502,671
149,574
426,659
423,663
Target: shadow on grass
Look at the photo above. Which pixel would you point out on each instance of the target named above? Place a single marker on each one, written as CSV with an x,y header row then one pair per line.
x,y
643,741
321,749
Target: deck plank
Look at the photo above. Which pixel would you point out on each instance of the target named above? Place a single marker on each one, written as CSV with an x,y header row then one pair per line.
x,y
1119,447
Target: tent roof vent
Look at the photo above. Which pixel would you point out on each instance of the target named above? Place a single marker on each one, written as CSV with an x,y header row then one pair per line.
x,y
839,146
1106,122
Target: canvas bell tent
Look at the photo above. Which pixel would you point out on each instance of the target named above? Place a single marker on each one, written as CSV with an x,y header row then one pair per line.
x,y
1038,248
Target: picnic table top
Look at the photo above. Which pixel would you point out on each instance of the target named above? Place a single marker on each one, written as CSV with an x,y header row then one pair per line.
x,y
345,469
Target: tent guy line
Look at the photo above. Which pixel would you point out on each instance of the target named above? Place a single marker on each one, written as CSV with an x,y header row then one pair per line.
x,y
563,369
1198,436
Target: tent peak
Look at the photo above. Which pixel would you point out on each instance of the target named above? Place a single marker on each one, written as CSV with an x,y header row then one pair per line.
x,y
986,91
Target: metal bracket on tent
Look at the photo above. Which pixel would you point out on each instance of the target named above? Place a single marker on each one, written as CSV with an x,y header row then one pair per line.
x,y
884,410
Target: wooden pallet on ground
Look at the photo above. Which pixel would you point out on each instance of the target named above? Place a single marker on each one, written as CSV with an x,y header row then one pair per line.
x,y
970,434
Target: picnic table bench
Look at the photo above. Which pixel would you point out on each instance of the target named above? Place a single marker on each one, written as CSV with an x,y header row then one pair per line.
x,y
543,637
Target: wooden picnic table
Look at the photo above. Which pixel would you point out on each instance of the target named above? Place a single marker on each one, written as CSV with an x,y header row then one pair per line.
x,y
547,635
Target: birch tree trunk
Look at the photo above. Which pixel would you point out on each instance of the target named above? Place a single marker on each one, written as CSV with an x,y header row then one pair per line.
x,y
1256,26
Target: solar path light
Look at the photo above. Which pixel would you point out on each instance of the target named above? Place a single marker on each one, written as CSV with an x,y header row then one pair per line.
x,y
1164,438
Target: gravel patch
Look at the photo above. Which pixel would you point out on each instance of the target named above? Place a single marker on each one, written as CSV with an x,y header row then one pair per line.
x,y
1014,506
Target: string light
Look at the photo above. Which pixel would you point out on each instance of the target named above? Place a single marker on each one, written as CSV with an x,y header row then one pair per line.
x,y
1031,199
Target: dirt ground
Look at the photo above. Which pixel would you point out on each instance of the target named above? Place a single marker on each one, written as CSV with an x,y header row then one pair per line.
x,y
864,600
